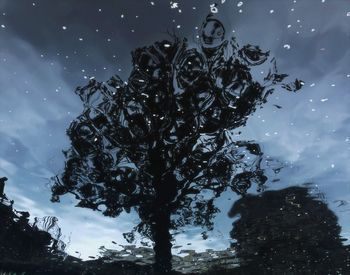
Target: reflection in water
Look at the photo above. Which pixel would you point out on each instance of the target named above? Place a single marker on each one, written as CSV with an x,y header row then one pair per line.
x,y
288,232
22,242
37,248
154,143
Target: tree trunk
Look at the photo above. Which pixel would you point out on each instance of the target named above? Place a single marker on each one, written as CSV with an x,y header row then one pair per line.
x,y
165,187
162,240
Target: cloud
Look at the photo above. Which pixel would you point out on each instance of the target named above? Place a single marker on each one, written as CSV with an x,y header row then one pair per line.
x,y
7,168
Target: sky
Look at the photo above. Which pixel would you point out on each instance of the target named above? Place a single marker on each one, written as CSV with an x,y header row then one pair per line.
x,y
48,48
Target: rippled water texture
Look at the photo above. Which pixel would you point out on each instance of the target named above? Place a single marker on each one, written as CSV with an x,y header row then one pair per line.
x,y
219,145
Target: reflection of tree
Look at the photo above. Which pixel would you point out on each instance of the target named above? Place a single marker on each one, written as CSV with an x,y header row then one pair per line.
x,y
22,242
155,143
288,232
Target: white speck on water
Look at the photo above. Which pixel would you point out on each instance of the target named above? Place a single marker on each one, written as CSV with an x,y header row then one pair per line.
x,y
348,13
240,4
3,26
81,39
332,165
333,85
178,26
289,26
64,27
324,99
286,46
213,8
272,11
312,85
312,30
240,11
122,16
174,5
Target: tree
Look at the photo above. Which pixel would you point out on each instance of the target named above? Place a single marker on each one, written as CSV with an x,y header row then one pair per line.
x,y
288,231
23,242
155,142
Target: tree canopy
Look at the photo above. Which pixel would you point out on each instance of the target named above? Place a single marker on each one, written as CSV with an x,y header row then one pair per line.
x,y
156,141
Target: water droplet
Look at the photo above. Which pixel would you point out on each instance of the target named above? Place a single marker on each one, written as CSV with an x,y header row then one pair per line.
x,y
213,8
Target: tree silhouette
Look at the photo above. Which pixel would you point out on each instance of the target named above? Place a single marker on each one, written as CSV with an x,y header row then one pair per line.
x,y
155,142
23,242
288,232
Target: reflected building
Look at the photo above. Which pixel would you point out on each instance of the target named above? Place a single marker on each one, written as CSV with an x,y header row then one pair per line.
x,y
288,232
